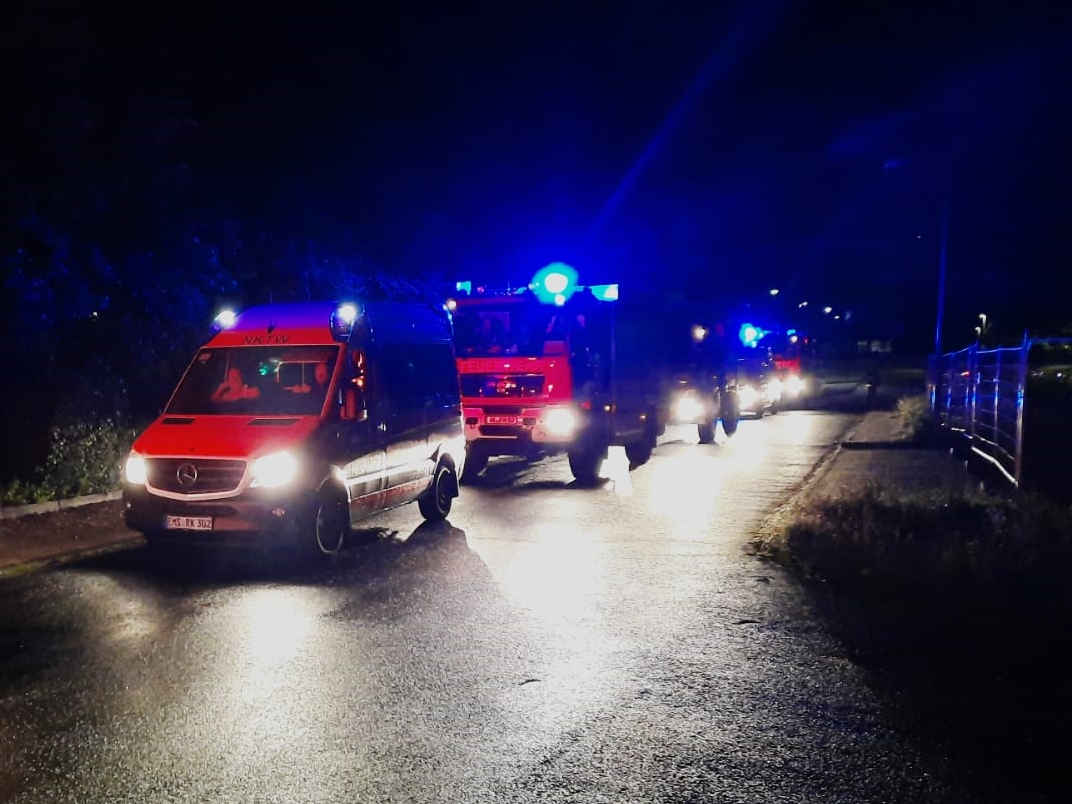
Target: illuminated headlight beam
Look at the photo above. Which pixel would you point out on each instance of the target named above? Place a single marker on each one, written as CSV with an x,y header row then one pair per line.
x,y
271,471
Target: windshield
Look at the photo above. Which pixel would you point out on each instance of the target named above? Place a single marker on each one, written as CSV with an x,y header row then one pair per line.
x,y
256,381
529,329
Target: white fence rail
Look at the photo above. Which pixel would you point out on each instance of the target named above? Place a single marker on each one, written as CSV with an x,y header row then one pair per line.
x,y
980,395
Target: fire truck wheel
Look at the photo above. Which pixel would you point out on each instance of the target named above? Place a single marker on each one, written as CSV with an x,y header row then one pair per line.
x,y
706,432
730,416
435,503
584,463
638,453
475,463
330,525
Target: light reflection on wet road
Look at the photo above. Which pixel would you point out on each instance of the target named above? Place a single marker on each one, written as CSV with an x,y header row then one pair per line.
x,y
550,643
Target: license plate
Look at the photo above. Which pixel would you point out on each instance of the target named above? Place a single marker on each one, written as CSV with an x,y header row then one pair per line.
x,y
188,522
502,419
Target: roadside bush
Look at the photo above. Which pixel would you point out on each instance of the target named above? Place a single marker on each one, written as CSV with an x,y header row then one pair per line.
x,y
916,419
87,438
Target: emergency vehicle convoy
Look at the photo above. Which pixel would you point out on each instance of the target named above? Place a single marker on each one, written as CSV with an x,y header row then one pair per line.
x,y
296,420
556,367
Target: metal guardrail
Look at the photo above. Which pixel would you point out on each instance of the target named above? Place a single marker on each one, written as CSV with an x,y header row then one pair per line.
x,y
980,395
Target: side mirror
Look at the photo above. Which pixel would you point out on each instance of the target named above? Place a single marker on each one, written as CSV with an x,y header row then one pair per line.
x,y
353,406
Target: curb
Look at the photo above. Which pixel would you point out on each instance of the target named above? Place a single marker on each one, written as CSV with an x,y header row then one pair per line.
x,y
14,511
887,444
70,556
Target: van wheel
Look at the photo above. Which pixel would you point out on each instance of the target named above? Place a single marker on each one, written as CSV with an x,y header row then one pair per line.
x,y
475,463
331,525
435,503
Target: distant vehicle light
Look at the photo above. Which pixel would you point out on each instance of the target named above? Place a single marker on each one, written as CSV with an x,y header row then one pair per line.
x,y
748,396
688,408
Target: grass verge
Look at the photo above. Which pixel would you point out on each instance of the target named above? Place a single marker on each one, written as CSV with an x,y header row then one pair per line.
x,y
946,550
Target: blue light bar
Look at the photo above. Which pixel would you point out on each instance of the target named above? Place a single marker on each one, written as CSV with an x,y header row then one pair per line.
x,y
342,320
605,292
223,320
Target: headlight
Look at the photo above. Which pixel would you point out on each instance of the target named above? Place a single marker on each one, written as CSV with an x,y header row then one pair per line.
x,y
748,396
274,470
687,408
774,389
134,470
560,422
794,385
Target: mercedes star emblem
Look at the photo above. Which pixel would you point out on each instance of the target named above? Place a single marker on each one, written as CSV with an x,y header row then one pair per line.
x,y
186,474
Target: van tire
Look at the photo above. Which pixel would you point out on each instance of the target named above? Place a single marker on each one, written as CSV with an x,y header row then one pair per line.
x,y
436,501
331,524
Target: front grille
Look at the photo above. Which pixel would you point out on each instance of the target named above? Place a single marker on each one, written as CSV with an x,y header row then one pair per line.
x,y
500,386
180,508
199,475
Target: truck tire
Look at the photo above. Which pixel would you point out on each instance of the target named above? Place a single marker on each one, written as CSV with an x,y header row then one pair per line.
x,y
639,452
475,463
584,463
730,413
706,432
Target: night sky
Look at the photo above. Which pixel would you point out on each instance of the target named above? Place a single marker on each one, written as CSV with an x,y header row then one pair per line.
x,y
722,147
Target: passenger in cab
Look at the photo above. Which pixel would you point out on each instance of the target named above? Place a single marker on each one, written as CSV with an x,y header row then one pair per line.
x,y
234,388
321,377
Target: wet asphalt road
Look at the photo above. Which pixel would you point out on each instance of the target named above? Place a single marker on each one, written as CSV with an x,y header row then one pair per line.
x,y
550,643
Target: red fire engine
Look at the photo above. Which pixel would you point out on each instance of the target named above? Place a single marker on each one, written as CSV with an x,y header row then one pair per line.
x,y
553,367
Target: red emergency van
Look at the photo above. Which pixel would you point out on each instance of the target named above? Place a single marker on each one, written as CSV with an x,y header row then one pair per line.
x,y
296,420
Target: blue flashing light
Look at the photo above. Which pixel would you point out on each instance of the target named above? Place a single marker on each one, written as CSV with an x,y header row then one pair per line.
x,y
790,332
749,334
223,320
605,292
342,320
553,281
464,287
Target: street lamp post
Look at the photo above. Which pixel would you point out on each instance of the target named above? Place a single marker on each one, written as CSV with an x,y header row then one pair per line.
x,y
941,277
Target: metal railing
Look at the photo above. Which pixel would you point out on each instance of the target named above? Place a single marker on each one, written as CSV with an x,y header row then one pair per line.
x,y
979,395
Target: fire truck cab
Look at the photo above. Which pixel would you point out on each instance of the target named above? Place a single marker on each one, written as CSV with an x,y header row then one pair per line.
x,y
296,420
554,368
